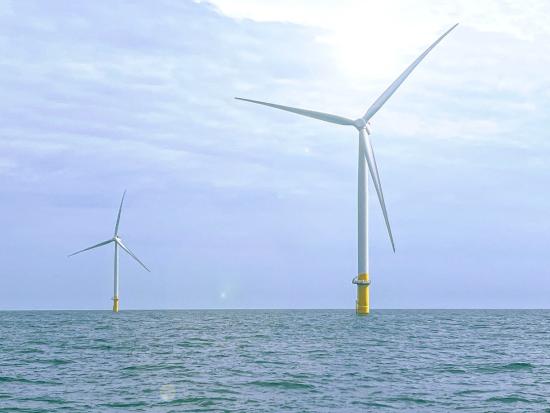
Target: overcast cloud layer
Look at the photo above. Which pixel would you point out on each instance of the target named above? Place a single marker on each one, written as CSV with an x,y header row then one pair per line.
x,y
233,205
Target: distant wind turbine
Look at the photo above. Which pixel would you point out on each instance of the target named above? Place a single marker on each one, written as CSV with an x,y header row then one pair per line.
x,y
366,153
118,243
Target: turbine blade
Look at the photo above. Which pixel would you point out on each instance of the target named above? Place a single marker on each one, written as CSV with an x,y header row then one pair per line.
x,y
373,168
132,254
304,112
378,103
91,248
119,211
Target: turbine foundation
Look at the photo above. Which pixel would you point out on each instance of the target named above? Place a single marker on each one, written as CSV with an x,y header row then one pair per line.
x,y
115,304
362,305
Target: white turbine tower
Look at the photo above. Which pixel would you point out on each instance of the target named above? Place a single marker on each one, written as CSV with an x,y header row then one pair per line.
x,y
117,241
366,159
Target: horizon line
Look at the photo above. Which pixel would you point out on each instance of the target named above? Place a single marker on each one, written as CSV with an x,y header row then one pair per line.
x,y
286,309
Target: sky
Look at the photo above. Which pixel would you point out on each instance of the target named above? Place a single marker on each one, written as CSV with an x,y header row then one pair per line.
x,y
234,205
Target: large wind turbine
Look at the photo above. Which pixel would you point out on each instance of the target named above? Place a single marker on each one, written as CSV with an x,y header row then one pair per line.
x,y
118,243
366,159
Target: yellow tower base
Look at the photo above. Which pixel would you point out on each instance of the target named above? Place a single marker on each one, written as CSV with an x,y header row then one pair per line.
x,y
115,304
362,305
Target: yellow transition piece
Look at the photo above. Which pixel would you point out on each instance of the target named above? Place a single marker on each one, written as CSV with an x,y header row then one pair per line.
x,y
362,305
115,304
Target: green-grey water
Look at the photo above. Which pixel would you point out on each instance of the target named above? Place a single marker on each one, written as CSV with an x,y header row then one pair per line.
x,y
275,361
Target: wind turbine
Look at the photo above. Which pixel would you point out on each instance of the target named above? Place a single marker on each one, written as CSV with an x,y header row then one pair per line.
x,y
366,153
117,241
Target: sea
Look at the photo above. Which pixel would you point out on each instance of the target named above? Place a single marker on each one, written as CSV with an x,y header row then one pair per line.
x,y
275,361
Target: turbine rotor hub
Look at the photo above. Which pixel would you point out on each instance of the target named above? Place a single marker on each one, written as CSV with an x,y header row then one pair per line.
x,y
360,123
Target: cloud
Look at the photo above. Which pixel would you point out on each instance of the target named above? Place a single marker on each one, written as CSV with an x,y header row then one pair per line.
x,y
487,80
131,85
98,97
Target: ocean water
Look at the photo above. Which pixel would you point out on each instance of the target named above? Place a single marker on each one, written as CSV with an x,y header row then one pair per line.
x,y
275,361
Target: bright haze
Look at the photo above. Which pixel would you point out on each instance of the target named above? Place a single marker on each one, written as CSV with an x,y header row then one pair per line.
x,y
235,206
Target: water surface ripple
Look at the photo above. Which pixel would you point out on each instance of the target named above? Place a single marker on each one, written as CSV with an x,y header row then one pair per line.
x,y
275,360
